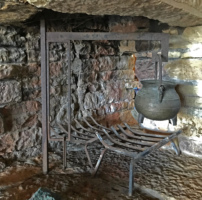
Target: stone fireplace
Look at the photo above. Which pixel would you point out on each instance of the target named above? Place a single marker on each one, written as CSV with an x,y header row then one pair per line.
x,y
104,73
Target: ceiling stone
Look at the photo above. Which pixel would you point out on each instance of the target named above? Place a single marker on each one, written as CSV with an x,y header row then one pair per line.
x,y
181,13
14,12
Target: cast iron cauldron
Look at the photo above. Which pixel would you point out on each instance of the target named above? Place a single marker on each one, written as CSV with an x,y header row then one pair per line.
x,y
158,100
149,103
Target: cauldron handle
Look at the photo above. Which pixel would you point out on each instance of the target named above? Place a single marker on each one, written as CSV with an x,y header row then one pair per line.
x,y
161,86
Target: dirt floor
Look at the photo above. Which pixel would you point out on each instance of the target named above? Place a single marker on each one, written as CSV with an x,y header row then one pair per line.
x,y
162,175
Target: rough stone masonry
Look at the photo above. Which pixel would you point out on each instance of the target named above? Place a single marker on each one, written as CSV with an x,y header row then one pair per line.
x,y
102,78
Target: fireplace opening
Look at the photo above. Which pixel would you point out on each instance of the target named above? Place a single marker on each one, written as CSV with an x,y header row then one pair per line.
x,y
105,76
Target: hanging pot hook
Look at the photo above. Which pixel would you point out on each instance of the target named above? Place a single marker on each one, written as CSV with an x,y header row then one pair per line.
x,y
161,86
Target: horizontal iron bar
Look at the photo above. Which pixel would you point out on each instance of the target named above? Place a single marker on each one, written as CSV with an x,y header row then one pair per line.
x,y
131,141
141,138
65,36
136,132
157,145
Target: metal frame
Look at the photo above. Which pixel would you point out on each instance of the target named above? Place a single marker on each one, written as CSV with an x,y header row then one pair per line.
x,y
64,37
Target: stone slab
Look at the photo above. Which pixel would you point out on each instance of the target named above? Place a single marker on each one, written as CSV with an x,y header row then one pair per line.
x,y
10,92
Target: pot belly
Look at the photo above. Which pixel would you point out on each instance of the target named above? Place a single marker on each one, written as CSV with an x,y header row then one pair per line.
x,y
148,105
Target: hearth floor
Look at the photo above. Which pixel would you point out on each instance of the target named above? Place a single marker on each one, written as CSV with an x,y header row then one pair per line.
x,y
162,175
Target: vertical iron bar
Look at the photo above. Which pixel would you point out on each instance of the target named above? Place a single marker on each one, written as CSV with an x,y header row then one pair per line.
x,y
69,88
48,89
64,152
160,69
165,48
156,67
44,96
131,177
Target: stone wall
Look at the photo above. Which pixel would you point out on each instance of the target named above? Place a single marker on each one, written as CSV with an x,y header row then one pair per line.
x,y
102,77
20,129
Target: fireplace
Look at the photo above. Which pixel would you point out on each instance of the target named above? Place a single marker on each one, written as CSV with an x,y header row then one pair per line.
x,y
102,78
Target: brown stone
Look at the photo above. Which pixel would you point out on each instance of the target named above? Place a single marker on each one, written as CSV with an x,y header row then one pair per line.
x,y
20,108
55,69
127,47
111,119
173,12
13,12
131,104
34,69
30,121
1,125
33,106
107,63
9,71
126,116
123,75
6,144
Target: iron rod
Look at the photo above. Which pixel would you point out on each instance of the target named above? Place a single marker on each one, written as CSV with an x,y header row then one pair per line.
x,y
131,177
64,152
69,88
66,36
44,96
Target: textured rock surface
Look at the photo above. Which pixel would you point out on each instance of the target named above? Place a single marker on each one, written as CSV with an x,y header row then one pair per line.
x,y
174,12
193,34
189,69
10,92
159,10
162,175
15,12
102,77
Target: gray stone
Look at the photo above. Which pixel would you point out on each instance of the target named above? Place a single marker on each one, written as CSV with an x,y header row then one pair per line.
x,y
78,45
2,165
145,69
124,63
33,56
85,50
135,114
28,139
9,36
10,92
107,63
77,66
90,101
45,194
12,55
33,41
190,146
